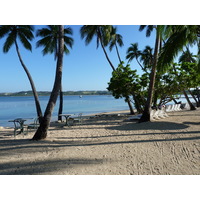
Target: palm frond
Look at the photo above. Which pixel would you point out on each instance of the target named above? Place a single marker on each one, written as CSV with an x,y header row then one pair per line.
x,y
10,40
181,36
25,41
4,30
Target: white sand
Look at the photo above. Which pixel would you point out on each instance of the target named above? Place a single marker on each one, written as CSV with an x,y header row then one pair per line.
x,y
108,145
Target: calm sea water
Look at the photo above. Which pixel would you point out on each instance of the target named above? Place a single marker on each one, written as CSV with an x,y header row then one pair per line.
x,y
15,107
24,107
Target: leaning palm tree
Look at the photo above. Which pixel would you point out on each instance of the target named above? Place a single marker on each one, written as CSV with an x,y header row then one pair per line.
x,y
147,109
42,130
49,42
147,57
25,34
133,52
115,39
178,38
103,36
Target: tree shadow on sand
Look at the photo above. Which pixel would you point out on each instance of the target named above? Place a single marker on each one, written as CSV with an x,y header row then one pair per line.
x,y
157,125
45,166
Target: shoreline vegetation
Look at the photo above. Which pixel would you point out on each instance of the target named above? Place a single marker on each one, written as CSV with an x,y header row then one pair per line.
x,y
65,93
47,93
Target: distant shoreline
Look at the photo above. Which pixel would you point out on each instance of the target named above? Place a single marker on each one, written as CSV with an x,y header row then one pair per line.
x,y
44,93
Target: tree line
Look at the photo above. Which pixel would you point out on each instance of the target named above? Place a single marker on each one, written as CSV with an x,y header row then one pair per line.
x,y
162,77
43,93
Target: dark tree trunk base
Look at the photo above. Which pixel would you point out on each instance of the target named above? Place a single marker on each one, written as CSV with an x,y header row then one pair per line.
x,y
145,117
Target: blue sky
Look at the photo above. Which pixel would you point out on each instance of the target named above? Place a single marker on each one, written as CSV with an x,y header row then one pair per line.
x,y
85,68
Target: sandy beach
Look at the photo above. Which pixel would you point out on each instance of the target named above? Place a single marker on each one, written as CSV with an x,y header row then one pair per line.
x,y
108,144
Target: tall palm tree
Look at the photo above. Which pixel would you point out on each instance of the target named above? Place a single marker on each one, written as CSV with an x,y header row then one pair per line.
x,y
116,39
102,34
25,34
187,56
147,109
49,42
147,57
41,132
178,37
133,52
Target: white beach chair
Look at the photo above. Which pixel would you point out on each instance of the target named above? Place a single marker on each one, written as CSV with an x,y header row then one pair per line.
x,y
187,106
178,107
168,108
155,114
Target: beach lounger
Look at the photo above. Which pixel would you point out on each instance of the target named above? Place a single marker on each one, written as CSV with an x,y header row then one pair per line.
x,y
168,108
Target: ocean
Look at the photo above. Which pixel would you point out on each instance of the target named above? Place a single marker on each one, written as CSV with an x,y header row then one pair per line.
x,y
24,106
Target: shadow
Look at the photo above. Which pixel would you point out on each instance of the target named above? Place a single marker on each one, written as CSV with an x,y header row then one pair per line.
x,y
157,125
38,146
192,123
128,135
38,167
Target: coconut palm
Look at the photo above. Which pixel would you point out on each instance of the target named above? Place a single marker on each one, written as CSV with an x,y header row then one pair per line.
x,y
133,52
41,132
25,34
178,37
116,39
187,56
103,35
147,57
49,42
146,114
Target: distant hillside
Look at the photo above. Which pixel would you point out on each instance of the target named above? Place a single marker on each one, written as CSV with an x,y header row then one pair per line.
x,y
42,93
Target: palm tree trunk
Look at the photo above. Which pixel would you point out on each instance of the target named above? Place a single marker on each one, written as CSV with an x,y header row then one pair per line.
x,y
147,109
112,66
41,132
37,103
60,105
192,107
140,64
102,45
118,54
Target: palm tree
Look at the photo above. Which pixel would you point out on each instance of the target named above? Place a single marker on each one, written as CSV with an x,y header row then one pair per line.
x,y
178,37
41,132
25,34
49,42
103,35
147,57
101,32
114,40
147,109
133,52
187,56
